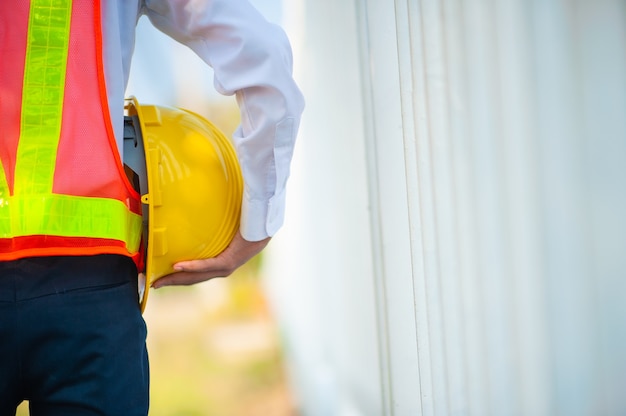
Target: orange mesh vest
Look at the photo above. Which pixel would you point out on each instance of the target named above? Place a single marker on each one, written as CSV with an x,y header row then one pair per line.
x,y
63,190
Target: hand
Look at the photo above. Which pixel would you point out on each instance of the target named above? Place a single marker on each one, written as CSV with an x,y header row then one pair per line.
x,y
224,264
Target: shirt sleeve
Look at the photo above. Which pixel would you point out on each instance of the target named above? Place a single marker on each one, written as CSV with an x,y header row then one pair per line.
x,y
252,59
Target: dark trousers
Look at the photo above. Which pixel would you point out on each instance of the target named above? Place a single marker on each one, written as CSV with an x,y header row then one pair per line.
x,y
72,338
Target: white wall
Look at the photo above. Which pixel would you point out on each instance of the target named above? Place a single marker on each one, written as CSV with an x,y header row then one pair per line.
x,y
456,217
323,284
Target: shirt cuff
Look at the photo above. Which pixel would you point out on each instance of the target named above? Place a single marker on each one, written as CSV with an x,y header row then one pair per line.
x,y
262,219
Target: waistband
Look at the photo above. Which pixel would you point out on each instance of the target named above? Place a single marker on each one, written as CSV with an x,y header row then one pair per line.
x,y
34,277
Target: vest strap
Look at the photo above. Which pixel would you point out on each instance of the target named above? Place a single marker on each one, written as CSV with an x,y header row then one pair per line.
x,y
69,216
42,102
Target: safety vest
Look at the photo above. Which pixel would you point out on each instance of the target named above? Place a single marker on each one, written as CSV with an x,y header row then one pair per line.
x,y
63,190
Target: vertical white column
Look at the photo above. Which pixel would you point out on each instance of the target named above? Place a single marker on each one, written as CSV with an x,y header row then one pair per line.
x,y
456,226
320,267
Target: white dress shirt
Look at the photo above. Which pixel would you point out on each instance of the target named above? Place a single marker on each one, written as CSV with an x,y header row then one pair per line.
x,y
251,58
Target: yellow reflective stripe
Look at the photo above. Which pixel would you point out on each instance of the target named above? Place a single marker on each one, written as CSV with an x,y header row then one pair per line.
x,y
42,102
69,216
4,187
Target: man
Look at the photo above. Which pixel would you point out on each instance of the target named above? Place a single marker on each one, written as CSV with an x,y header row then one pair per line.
x,y
73,339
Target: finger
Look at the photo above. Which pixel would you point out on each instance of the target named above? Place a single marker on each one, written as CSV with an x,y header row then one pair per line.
x,y
221,264
183,279
201,265
194,271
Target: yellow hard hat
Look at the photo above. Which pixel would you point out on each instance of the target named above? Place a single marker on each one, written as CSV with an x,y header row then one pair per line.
x,y
191,184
